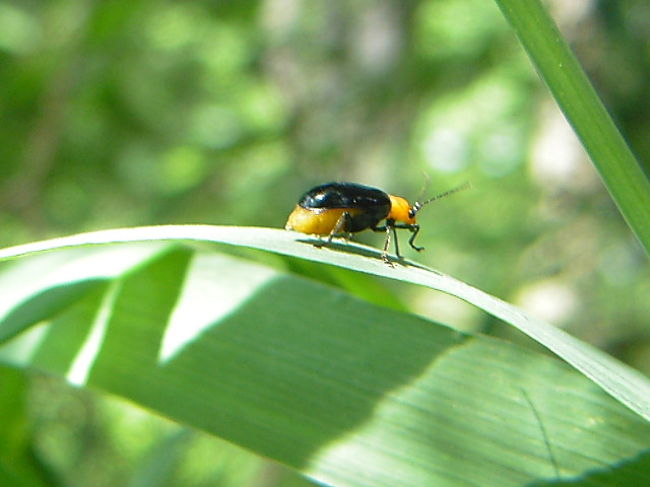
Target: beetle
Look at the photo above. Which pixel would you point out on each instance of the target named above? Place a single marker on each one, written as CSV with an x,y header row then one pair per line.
x,y
336,209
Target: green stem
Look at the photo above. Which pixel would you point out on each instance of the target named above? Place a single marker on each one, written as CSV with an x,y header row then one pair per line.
x,y
620,171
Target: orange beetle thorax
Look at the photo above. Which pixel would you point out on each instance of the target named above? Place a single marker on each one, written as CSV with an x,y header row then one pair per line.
x,y
400,210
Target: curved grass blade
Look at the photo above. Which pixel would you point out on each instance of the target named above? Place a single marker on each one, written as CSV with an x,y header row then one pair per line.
x,y
344,391
558,67
622,382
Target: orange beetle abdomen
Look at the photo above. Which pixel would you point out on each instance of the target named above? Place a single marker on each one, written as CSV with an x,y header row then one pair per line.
x,y
316,221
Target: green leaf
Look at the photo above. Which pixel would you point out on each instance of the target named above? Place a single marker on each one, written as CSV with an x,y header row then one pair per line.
x,y
342,390
620,171
624,383
158,468
19,463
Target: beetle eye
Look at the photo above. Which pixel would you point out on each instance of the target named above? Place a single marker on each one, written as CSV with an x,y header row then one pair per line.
x,y
414,209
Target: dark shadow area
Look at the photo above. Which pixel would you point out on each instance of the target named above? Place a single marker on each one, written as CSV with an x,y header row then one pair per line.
x,y
357,250
630,473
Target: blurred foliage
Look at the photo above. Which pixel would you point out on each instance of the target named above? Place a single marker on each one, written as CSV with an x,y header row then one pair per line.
x,y
131,112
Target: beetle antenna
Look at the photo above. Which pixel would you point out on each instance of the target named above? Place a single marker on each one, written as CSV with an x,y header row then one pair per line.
x,y
417,206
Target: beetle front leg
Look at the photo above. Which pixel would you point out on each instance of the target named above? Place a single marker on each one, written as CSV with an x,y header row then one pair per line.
x,y
415,228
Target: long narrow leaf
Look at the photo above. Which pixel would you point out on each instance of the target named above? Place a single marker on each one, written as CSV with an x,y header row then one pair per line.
x,y
349,393
622,382
568,83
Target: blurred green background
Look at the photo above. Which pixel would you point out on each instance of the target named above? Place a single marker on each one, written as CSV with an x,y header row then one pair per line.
x,y
135,112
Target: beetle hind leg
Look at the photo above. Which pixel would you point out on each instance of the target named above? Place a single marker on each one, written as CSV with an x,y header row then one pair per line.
x,y
341,227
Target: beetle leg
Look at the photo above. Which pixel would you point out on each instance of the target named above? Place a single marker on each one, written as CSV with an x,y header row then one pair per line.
x,y
388,228
384,254
396,241
415,228
341,224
